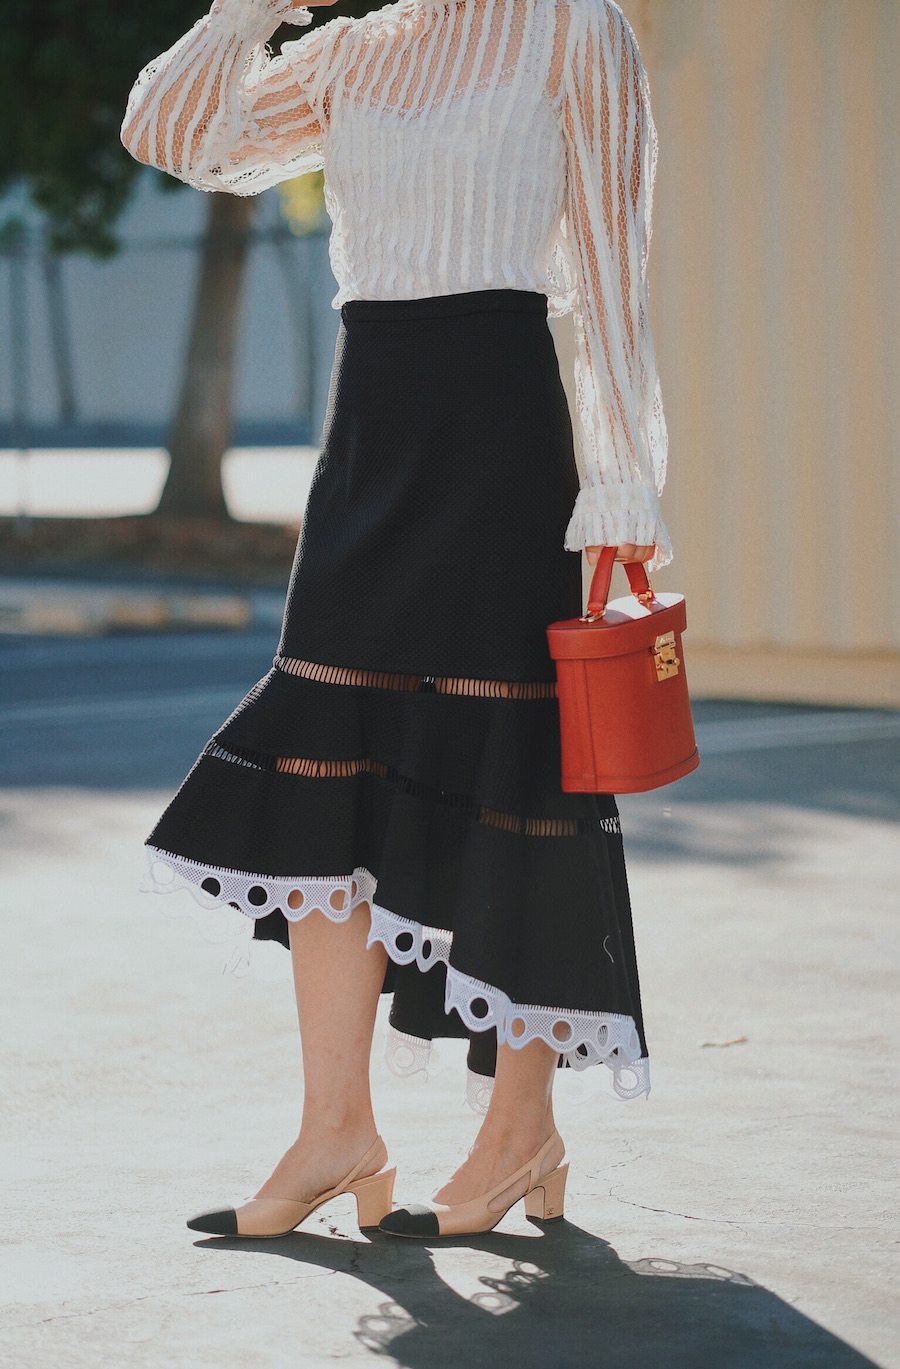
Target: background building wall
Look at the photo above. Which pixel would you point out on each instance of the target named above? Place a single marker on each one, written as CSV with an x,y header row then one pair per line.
x,y
775,306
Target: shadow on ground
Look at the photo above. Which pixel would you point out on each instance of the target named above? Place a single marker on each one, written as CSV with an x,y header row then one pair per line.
x,y
568,1300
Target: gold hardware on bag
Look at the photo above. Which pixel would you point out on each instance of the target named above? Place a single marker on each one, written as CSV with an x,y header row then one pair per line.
x,y
664,657
592,617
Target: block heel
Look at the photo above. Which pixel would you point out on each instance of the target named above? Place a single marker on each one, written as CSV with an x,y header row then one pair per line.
x,y
546,1200
374,1198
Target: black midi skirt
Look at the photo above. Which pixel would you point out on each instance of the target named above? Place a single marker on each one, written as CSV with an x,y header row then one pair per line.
x,y
402,754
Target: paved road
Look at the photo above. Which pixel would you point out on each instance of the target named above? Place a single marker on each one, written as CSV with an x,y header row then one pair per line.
x,y
738,1217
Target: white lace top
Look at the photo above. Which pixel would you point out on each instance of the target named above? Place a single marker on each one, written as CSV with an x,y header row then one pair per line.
x,y
467,145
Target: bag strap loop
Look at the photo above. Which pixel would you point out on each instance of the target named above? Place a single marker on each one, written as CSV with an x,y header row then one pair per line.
x,y
599,590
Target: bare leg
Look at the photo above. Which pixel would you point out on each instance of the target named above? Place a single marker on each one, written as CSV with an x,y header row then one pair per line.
x,y
337,983
518,1121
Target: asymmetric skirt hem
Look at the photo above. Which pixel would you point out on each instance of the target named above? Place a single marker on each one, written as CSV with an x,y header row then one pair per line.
x,y
581,1038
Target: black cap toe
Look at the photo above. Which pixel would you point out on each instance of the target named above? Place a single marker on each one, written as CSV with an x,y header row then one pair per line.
x,y
413,1220
218,1222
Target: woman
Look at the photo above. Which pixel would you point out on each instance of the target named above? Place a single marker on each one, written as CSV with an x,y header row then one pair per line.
x,y
386,801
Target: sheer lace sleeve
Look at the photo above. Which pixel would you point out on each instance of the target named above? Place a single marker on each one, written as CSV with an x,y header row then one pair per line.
x,y
611,148
220,113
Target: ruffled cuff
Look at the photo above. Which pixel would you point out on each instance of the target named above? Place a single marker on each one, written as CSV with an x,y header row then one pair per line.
x,y
257,19
600,521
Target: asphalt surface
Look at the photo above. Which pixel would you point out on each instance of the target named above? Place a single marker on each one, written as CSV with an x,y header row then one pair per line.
x,y
740,1216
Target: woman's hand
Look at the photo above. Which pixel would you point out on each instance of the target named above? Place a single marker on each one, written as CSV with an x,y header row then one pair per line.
x,y
627,551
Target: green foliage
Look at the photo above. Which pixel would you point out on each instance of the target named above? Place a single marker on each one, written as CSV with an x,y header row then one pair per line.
x,y
68,67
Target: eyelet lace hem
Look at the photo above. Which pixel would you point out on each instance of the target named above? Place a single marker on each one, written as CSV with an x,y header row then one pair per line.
x,y
582,1039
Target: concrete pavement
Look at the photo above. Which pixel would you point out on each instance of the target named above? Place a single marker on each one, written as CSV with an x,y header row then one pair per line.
x,y
738,1217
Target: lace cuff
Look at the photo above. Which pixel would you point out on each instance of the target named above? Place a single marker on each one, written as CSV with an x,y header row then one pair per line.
x,y
599,520
219,113
256,19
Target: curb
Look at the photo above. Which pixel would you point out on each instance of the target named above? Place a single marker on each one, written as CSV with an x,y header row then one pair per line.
x,y
73,612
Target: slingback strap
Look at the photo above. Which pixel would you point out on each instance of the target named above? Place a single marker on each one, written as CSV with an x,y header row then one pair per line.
x,y
338,1188
532,1168
363,1162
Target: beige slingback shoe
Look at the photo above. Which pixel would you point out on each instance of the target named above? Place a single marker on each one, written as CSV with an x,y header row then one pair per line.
x,y
271,1216
544,1198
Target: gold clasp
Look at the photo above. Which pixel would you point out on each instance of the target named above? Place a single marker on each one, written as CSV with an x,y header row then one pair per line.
x,y
664,657
592,617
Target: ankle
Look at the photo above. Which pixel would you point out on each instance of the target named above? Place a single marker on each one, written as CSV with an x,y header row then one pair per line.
x,y
329,1125
510,1131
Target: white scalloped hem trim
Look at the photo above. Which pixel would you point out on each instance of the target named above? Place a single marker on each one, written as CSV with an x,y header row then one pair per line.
x,y
407,1055
582,1038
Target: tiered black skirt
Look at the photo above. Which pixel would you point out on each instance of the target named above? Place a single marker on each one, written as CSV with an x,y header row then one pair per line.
x,y
402,754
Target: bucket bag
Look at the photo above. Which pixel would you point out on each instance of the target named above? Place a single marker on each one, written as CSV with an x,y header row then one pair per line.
x,y
624,708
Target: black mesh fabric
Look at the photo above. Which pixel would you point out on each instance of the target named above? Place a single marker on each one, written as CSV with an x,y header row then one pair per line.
x,y
432,545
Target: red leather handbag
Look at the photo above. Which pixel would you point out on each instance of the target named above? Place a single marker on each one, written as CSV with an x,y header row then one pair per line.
x,y
624,709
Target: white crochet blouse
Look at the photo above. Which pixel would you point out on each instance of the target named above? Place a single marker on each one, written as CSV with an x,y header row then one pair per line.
x,y
467,145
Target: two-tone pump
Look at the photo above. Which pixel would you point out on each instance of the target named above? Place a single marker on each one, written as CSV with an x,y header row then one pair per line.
x,y
544,1199
274,1216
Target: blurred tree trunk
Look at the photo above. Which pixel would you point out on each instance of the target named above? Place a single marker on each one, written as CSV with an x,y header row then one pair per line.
x,y
201,427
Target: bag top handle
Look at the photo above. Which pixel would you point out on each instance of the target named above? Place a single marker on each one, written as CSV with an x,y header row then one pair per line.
x,y
599,590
